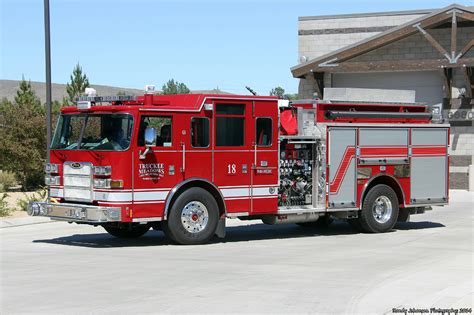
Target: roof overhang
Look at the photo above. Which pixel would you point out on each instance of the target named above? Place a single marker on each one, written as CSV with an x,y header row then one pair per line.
x,y
331,62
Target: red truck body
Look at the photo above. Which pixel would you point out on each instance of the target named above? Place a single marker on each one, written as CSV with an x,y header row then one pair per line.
x,y
258,157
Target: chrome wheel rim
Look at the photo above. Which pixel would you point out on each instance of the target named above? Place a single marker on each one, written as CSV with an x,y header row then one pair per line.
x,y
194,217
382,209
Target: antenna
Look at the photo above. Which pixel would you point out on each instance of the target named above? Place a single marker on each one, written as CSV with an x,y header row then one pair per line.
x,y
250,90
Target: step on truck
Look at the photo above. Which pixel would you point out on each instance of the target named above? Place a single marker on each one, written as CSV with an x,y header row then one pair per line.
x,y
186,163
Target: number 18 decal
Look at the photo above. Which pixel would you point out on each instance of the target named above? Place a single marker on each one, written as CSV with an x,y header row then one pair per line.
x,y
231,169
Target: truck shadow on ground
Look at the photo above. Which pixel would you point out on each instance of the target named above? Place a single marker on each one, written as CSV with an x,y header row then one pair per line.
x,y
254,232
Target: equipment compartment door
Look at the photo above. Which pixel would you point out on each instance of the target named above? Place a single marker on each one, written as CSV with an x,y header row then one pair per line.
x,y
342,167
264,179
429,165
233,153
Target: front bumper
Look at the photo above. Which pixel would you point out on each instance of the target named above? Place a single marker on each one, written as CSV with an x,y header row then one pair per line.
x,y
75,212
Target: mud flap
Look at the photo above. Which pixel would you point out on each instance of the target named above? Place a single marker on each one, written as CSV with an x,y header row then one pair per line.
x,y
220,231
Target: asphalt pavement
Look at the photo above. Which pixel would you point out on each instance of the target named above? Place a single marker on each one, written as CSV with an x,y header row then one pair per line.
x,y
62,268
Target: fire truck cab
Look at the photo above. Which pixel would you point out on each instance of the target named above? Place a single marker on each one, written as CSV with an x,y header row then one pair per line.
x,y
185,163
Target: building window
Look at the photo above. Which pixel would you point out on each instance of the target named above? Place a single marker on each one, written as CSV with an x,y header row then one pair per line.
x,y
163,126
230,122
199,132
263,133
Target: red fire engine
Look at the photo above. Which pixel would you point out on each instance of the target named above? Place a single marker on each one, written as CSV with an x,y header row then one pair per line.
x,y
185,163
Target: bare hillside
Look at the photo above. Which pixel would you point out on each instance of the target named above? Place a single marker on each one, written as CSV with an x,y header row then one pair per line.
x,y
8,89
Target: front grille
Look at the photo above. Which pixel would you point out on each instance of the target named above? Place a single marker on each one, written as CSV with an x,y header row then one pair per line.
x,y
77,181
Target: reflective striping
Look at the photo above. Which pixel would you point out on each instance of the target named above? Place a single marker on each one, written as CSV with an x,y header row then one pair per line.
x,y
115,196
235,192
159,196
246,192
401,151
431,151
265,197
383,151
342,169
263,191
153,195
149,202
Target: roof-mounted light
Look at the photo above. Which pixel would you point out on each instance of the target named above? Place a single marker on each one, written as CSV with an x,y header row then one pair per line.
x,y
84,104
90,92
149,89
208,106
116,98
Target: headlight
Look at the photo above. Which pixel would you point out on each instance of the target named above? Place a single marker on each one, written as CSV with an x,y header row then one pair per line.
x,y
51,180
102,170
34,209
101,183
51,168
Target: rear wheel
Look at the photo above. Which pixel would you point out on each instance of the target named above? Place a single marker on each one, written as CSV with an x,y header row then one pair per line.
x,y
193,218
379,210
127,231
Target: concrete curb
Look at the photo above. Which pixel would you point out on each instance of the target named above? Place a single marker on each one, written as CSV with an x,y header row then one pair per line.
x,y
14,222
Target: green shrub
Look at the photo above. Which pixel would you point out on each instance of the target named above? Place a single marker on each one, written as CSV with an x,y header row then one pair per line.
x,y
40,195
7,180
4,208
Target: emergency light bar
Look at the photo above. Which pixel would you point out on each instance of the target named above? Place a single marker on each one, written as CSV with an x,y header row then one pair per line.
x,y
84,105
117,98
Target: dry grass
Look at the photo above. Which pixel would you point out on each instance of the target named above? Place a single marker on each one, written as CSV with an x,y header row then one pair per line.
x,y
12,200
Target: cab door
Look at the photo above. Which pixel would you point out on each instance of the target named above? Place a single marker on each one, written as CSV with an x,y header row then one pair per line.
x,y
232,150
157,172
264,190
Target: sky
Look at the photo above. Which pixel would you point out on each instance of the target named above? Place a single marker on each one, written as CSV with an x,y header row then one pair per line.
x,y
205,44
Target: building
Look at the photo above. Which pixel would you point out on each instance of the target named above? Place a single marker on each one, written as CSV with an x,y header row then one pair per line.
x,y
429,51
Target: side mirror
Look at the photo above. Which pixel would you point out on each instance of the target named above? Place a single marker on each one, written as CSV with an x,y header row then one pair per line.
x,y
150,141
150,137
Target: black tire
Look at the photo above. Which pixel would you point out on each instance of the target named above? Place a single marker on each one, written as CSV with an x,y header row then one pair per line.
x,y
192,232
322,222
127,231
372,222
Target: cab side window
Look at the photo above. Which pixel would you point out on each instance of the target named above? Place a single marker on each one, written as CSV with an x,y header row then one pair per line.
x,y
263,130
230,122
199,132
164,130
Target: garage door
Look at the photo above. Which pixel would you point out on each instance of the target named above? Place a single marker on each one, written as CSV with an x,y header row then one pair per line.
x,y
427,84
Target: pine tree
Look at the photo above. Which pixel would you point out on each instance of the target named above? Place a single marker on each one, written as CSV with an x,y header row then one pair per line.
x,y
175,87
25,95
23,141
79,82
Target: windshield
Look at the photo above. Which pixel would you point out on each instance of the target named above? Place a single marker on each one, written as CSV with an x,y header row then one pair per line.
x,y
110,132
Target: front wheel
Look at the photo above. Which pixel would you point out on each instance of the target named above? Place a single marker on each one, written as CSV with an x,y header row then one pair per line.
x,y
193,218
379,210
127,231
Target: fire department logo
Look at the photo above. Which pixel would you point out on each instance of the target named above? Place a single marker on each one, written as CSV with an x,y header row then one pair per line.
x,y
151,171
